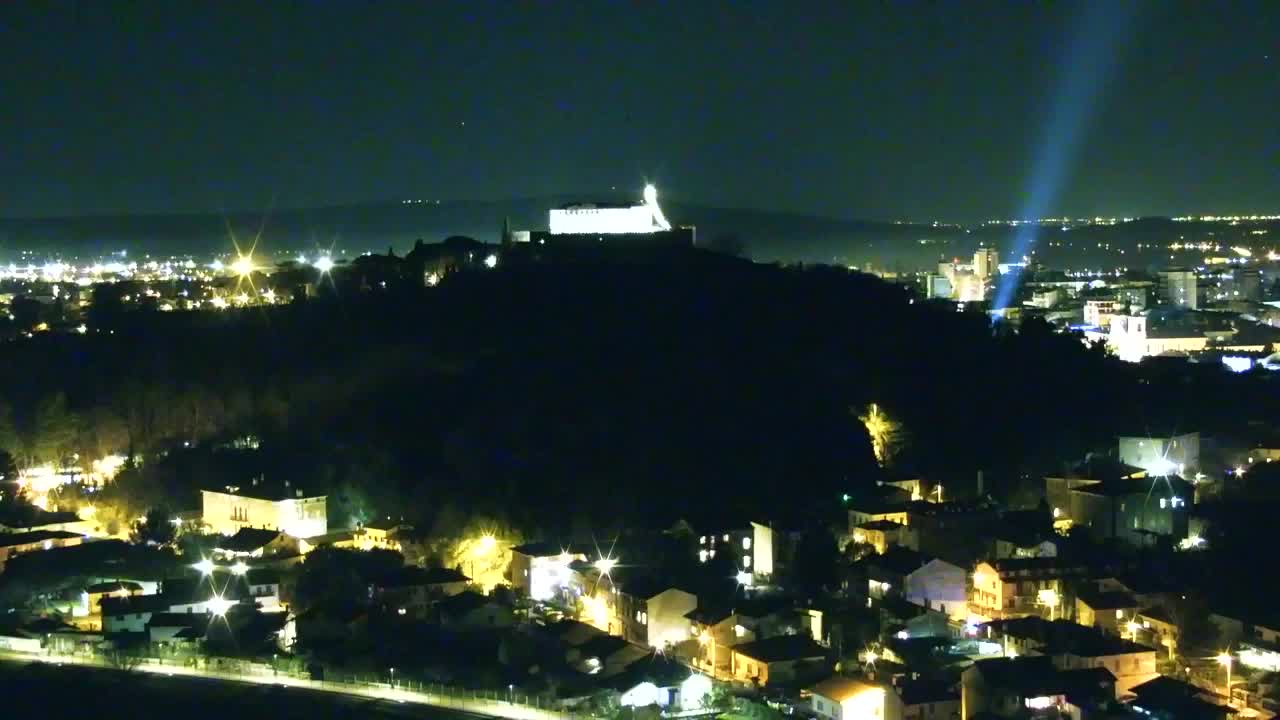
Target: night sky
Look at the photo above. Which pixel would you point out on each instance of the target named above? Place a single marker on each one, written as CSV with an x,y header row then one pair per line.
x,y
887,110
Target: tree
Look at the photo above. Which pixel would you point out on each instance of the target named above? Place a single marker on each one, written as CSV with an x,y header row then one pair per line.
x,y
10,440
885,432
1197,635
155,528
54,432
817,561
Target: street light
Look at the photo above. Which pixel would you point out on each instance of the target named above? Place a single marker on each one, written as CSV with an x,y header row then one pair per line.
x,y
240,568
1050,599
1224,659
205,566
393,677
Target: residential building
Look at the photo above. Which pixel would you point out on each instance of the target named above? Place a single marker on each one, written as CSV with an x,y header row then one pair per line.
x,y
255,543
1072,646
94,594
1118,501
1159,628
778,660
921,579
928,700
1176,454
883,534
412,591
12,544
265,506
842,698
1177,286
469,610
1031,686
1112,612
986,262
264,588
716,630
1023,586
1098,313
652,613
1166,698
540,570
378,535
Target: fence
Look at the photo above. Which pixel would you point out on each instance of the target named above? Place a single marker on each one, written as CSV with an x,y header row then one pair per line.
x,y
496,703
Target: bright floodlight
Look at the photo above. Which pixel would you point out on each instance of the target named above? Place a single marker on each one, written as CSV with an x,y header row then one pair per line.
x,y
1224,658
240,568
205,566
650,194
486,544
605,564
744,579
219,605
243,266
491,261
324,263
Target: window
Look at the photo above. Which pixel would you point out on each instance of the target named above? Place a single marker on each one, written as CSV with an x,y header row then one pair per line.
x,y
1163,502
726,537
746,543
1119,614
746,562
702,540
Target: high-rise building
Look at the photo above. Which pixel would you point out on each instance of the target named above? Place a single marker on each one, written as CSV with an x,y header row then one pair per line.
x,y
986,262
1178,287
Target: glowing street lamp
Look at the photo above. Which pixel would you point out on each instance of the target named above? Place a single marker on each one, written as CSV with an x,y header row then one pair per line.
x,y
240,568
1050,599
243,266
219,605
205,566
1224,659
491,261
324,264
605,564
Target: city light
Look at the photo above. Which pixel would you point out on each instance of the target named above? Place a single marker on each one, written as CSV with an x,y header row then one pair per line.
x,y
205,566
605,564
324,263
219,605
243,266
491,261
239,568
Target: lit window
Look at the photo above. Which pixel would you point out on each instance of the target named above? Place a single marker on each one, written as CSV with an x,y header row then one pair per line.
x,y
702,556
1119,614
746,543
644,618
746,562
1162,503
702,540
726,537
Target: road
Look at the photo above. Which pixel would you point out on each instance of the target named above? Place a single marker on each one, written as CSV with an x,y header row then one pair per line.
x,y
380,693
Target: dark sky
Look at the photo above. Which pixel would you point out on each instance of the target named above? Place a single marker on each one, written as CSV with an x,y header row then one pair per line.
x,y
854,109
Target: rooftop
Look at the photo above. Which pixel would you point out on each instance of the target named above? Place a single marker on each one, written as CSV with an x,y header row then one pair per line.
x,y
781,647
247,540
416,576
113,587
35,536
840,688
899,560
1098,600
1066,637
1036,676
268,490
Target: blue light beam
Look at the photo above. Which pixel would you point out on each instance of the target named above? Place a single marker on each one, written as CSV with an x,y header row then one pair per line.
x,y
1092,55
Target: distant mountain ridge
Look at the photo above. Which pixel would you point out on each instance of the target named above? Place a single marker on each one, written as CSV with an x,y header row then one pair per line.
x,y
764,235
377,226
